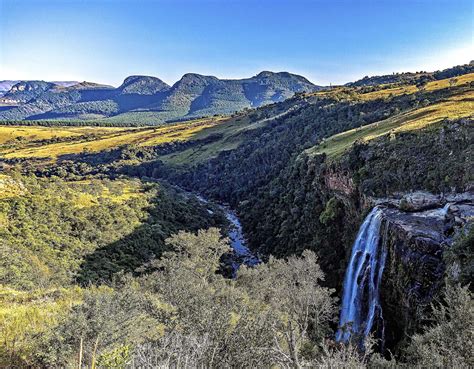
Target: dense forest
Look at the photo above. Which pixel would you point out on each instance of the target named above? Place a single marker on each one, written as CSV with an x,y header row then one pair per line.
x,y
110,260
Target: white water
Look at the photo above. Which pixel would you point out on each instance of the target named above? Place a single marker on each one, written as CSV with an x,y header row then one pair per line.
x,y
360,302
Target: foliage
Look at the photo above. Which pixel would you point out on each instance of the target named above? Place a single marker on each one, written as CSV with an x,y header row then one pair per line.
x,y
331,212
42,142
459,106
447,343
413,78
185,312
26,316
436,159
101,327
459,257
142,99
149,302
55,230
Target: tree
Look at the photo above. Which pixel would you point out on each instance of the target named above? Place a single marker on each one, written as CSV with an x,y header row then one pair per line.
x,y
212,323
421,85
447,343
302,309
107,321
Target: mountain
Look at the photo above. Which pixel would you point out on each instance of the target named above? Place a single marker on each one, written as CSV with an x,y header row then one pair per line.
x,y
5,86
371,182
149,99
142,85
24,91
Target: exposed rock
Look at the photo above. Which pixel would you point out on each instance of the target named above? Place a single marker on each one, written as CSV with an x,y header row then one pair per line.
x,y
420,200
340,182
414,269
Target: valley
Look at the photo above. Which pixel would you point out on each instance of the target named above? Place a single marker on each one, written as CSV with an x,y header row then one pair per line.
x,y
108,252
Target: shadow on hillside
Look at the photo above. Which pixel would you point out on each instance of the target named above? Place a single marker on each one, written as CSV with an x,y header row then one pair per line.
x,y
169,213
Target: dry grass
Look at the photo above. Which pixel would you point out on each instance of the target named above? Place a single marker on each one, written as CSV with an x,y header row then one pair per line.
x,y
24,315
102,139
9,187
229,139
9,133
457,106
403,90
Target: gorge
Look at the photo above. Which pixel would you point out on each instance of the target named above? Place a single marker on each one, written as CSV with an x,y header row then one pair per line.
x,y
355,202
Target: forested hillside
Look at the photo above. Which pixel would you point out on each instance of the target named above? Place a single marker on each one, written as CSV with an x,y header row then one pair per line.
x,y
147,100
108,259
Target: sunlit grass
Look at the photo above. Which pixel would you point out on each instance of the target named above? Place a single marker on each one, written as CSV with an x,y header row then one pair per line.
x,y
8,133
430,86
108,138
458,106
88,193
229,139
26,315
9,187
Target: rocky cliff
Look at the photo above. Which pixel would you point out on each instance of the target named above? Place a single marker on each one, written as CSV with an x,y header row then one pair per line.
x,y
415,242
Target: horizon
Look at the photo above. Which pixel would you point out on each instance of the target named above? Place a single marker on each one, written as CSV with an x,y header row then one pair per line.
x,y
221,78
85,40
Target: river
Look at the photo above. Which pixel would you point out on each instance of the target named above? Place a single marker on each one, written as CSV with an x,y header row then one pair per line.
x,y
241,252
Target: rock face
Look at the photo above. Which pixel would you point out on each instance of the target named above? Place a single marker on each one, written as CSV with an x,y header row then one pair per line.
x,y
340,182
414,267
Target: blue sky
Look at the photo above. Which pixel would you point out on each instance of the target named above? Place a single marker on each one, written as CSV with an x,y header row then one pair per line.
x,y
330,41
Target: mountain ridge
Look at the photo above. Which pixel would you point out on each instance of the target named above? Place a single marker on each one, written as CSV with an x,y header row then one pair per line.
x,y
149,98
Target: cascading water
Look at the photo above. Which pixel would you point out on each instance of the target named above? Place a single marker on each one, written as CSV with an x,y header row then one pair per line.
x,y
360,302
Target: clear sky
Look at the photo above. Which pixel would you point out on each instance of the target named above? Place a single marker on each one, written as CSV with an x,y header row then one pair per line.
x,y
328,41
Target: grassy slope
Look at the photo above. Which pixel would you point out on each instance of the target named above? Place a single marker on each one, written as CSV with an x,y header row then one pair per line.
x,y
101,138
98,139
457,106
26,314
229,131
231,135
8,133
228,141
410,89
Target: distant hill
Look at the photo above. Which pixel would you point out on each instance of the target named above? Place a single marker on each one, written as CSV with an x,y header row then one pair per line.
x,y
6,86
413,77
149,99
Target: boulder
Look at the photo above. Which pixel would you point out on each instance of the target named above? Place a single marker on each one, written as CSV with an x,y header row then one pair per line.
x,y
420,200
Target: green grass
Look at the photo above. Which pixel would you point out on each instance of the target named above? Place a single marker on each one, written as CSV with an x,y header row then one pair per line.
x,y
386,91
457,106
228,140
410,89
32,142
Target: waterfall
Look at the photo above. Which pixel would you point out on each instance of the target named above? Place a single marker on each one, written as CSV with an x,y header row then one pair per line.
x,y
360,302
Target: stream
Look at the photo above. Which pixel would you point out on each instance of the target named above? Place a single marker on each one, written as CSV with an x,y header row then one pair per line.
x,y
241,252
